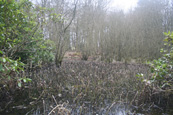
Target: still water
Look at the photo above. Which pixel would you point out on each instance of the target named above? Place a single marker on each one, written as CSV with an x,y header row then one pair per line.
x,y
115,108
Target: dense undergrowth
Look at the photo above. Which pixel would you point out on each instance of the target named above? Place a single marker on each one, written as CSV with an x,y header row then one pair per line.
x,y
28,77
90,87
159,86
21,40
81,82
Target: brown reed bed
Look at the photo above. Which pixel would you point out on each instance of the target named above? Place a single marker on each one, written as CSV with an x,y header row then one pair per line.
x,y
79,82
82,84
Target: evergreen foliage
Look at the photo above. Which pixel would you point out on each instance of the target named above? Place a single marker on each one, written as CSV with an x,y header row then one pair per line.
x,y
21,39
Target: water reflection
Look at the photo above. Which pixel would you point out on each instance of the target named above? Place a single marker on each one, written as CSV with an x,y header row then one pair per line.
x,y
87,109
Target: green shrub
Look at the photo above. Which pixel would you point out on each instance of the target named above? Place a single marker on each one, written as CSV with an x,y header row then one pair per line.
x,y
162,68
21,39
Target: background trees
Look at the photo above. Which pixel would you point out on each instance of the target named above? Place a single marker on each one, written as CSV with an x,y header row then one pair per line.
x,y
92,28
86,26
118,35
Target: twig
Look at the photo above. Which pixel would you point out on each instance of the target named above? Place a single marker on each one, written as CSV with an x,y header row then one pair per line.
x,y
54,109
54,99
60,107
134,98
110,107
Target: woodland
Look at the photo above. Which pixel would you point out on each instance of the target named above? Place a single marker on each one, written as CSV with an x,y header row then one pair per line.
x,y
80,57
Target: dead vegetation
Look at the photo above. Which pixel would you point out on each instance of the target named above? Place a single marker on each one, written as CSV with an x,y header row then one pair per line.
x,y
79,87
81,82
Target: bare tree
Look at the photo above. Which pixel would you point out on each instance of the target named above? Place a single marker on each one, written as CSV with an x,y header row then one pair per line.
x,y
90,28
57,23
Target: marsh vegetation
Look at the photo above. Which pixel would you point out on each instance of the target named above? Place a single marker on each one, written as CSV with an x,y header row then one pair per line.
x,y
77,57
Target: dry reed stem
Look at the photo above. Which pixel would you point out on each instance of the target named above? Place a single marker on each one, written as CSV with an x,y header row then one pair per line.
x,y
60,110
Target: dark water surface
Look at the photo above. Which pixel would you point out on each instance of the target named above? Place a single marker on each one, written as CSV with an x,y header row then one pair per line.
x,y
86,109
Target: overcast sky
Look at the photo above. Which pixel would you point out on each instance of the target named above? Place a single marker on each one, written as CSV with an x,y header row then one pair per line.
x,y
118,4
123,4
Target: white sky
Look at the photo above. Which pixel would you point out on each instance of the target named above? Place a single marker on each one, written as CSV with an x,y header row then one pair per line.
x,y
123,4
